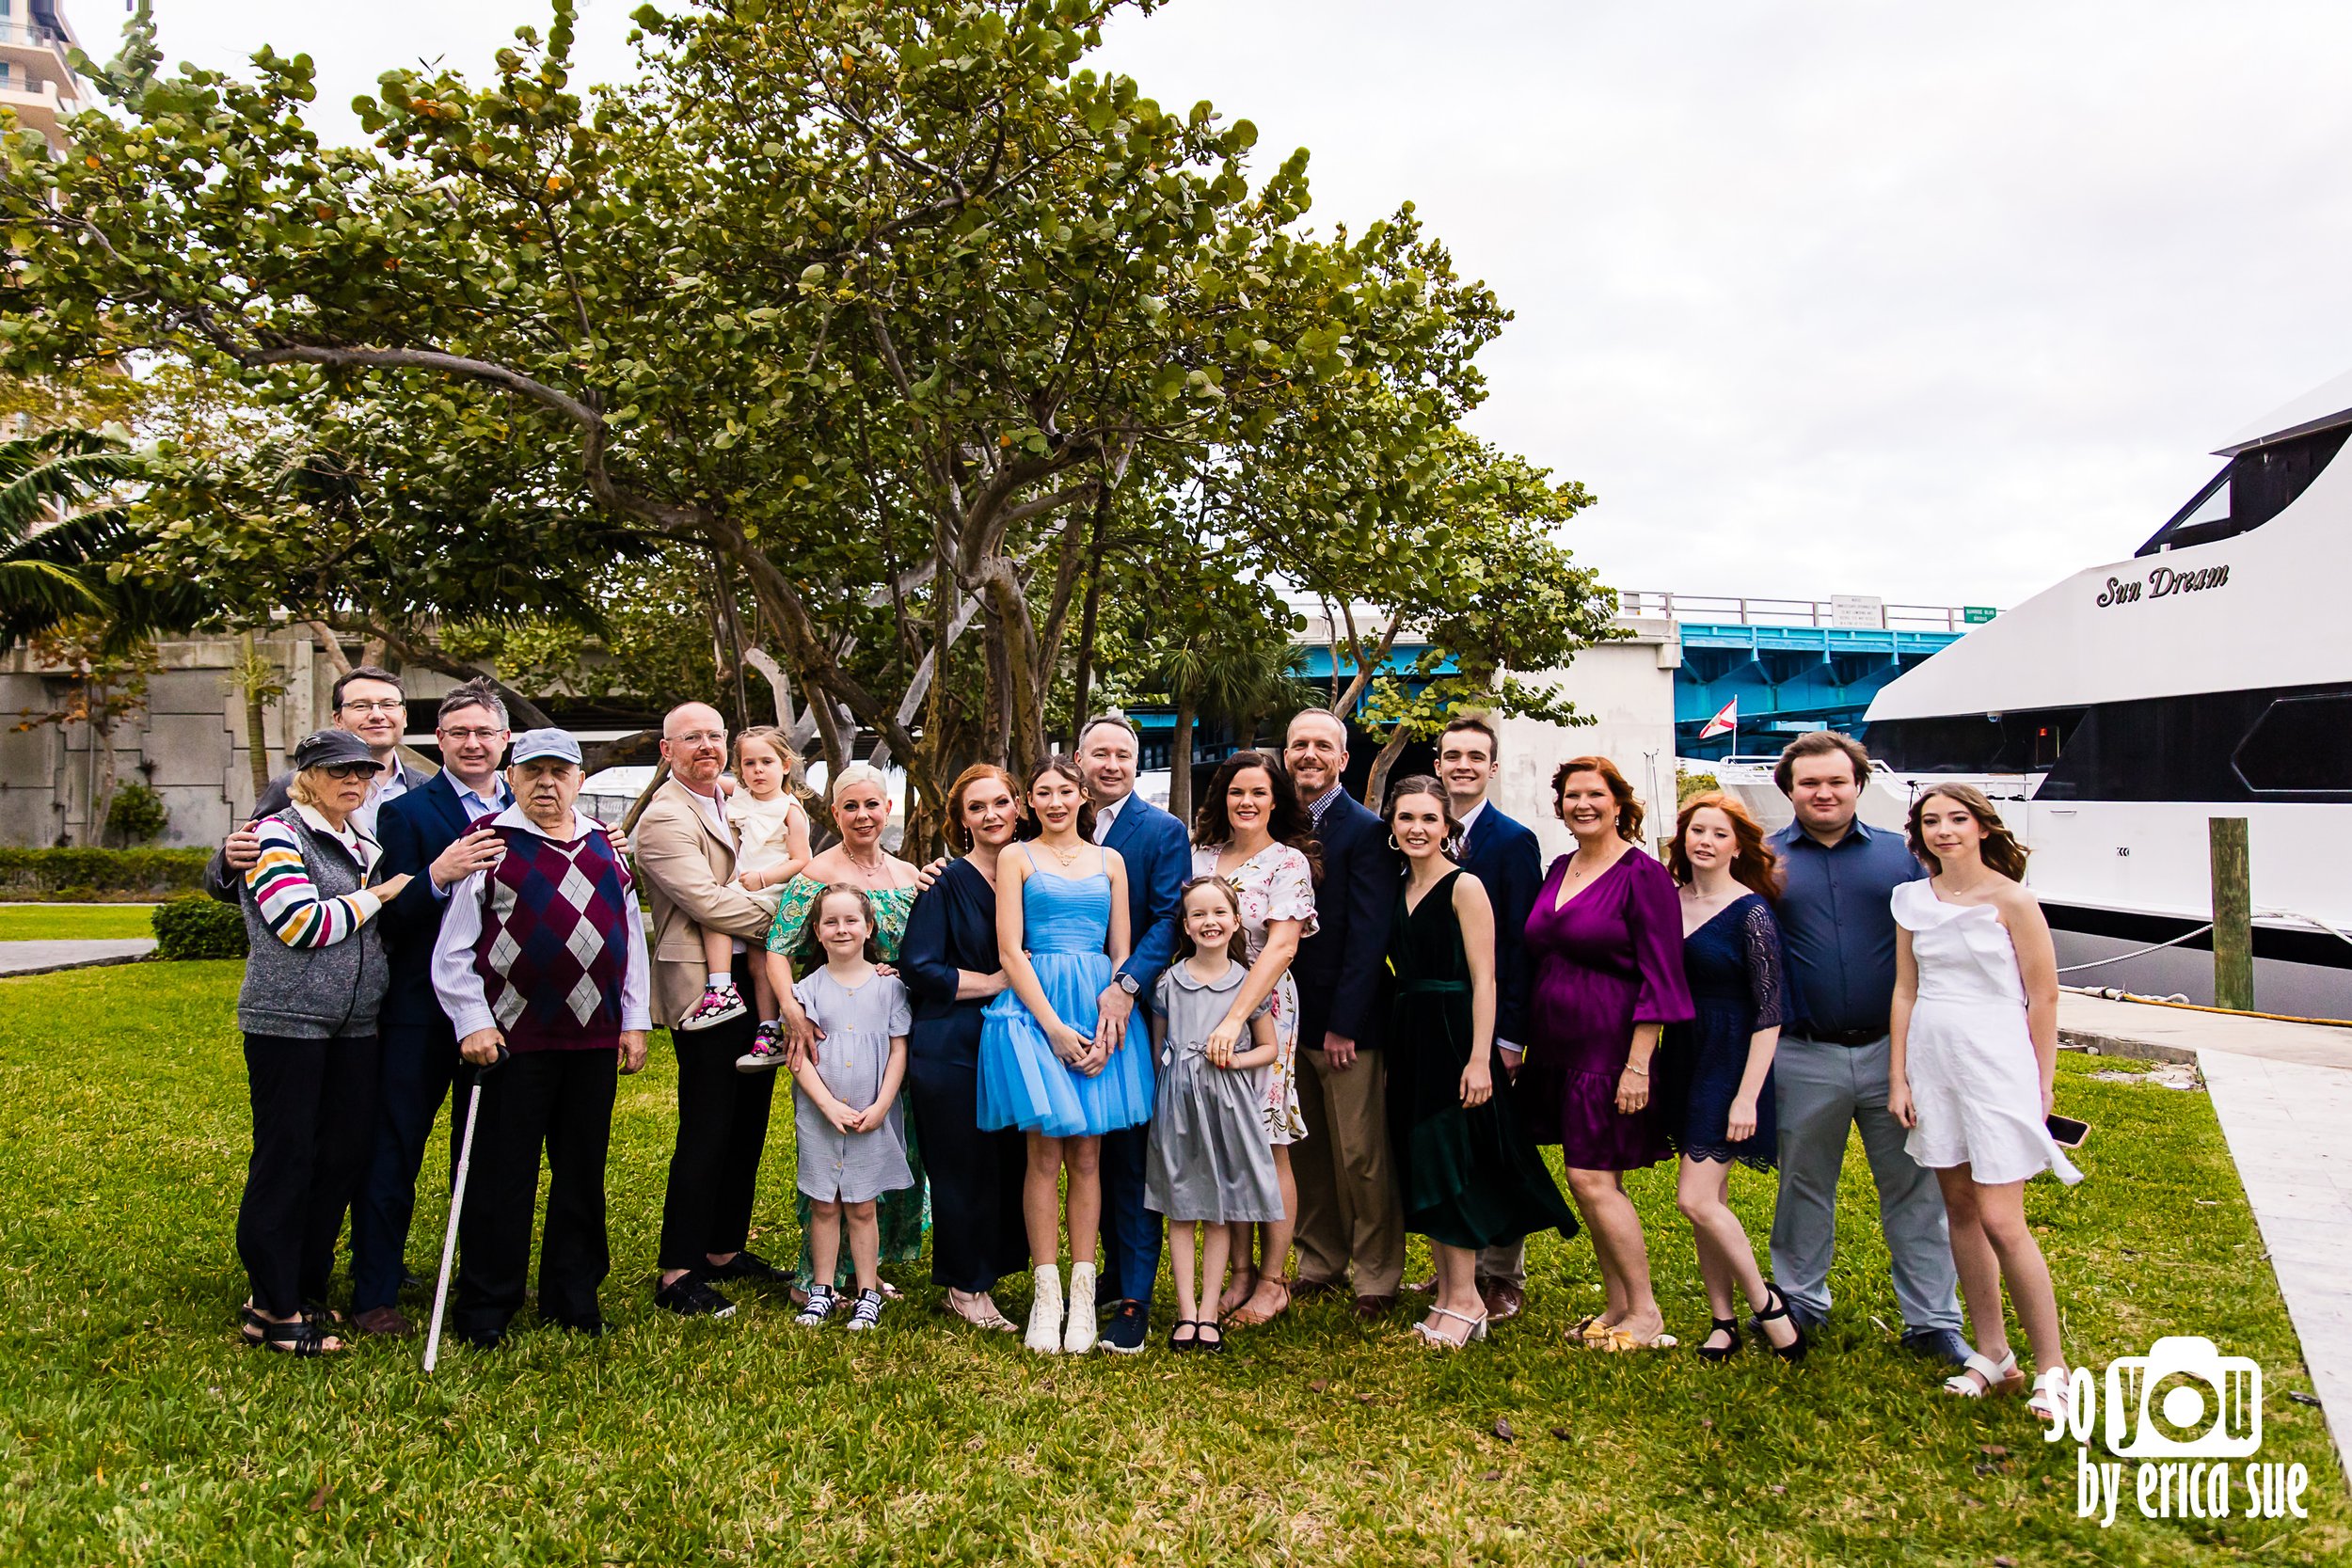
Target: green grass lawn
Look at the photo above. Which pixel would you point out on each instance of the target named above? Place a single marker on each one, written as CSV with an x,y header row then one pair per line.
x,y
134,1428
74,922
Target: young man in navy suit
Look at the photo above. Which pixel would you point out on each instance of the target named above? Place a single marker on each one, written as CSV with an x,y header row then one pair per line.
x,y
440,828
1501,851
1350,1217
1158,852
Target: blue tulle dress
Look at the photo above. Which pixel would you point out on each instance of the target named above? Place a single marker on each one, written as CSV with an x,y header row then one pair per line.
x,y
1066,923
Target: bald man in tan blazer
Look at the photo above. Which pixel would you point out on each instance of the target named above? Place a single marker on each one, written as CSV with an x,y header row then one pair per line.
x,y
685,853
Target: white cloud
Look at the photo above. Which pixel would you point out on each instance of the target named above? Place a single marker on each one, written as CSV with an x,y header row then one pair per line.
x,y
1935,303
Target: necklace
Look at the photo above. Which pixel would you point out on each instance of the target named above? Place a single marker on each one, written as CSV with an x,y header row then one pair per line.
x,y
1068,857
880,865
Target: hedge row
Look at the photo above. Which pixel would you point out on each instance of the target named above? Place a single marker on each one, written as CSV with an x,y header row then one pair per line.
x,y
102,870
194,926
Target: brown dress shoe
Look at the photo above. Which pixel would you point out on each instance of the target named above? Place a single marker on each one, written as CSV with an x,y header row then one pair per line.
x,y
1369,1307
388,1322
1503,1299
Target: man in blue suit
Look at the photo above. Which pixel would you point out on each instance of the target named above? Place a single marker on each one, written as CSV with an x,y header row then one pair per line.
x,y
430,830
1501,851
1158,852
1351,1219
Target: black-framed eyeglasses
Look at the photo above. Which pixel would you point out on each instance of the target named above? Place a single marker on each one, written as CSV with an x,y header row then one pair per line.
x,y
374,704
351,770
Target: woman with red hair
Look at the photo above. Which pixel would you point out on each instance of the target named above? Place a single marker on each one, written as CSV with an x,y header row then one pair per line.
x,y
1714,1074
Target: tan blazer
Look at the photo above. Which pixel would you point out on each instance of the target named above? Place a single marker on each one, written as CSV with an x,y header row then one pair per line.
x,y
686,866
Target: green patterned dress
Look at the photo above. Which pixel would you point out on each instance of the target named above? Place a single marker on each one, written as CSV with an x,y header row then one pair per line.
x,y
900,1216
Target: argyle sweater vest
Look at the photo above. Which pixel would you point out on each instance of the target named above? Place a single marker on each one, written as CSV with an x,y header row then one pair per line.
x,y
554,943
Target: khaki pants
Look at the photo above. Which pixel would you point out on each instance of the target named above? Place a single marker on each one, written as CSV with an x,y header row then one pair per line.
x,y
1348,1208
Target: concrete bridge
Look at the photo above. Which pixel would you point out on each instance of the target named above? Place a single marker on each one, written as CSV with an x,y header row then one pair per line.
x,y
1791,664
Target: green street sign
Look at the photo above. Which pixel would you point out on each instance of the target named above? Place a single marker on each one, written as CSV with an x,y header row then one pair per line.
x,y
1978,614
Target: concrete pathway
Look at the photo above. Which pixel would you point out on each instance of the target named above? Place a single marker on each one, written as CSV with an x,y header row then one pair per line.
x,y
2284,1095
39,958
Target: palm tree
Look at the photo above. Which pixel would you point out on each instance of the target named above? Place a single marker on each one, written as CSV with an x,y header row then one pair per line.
x,y
63,521
1238,670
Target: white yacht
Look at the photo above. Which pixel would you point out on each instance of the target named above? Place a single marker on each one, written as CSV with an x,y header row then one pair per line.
x,y
2208,676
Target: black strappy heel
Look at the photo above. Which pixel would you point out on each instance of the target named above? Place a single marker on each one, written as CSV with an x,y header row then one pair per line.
x,y
1794,1350
301,1337
1720,1352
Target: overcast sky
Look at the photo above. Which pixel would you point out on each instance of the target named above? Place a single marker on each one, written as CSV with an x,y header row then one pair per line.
x,y
1935,303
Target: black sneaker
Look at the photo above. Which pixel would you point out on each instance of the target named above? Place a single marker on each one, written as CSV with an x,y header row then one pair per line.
x,y
749,1267
689,1296
1129,1325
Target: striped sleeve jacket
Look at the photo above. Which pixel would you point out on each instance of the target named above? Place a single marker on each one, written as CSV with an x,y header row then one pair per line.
x,y
292,906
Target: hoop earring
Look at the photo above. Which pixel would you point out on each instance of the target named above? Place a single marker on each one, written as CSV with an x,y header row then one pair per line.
x,y
1394,845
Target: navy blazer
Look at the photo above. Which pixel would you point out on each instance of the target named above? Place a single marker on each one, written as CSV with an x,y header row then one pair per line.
x,y
1502,854
1339,970
952,926
413,829
1158,852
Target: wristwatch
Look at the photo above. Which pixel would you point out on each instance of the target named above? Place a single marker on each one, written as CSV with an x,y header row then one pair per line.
x,y
1127,983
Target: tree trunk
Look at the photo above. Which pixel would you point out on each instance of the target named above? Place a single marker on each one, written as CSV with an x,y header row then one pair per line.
x,y
1376,786
256,721
1180,761
1081,678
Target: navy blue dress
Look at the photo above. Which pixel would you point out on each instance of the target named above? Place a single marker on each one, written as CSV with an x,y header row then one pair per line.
x,y
1737,977
977,1231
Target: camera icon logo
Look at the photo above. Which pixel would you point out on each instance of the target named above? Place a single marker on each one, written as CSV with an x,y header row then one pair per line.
x,y
2212,1409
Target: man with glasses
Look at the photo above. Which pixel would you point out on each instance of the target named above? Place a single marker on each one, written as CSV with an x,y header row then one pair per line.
x,y
369,703
441,829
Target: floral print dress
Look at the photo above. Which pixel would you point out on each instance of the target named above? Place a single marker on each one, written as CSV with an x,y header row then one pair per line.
x,y
902,1214
1274,884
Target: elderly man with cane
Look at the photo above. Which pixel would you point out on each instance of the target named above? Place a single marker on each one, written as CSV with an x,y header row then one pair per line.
x,y
543,954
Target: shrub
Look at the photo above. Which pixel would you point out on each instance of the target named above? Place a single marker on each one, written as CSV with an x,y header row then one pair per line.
x,y
194,926
137,814
51,871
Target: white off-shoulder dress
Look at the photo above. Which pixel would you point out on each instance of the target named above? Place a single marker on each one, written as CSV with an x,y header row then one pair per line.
x,y
1969,1054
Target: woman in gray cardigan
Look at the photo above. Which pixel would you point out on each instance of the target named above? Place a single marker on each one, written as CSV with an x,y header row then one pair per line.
x,y
313,984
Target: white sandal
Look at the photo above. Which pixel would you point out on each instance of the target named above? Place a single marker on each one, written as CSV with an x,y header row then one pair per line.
x,y
2053,1395
1477,1329
2000,1377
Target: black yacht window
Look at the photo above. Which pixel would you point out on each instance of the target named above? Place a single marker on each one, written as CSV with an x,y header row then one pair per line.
x,y
2259,483
2300,745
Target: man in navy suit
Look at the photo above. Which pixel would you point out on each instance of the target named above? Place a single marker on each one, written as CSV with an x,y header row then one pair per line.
x,y
1501,851
1158,852
440,829
1350,1217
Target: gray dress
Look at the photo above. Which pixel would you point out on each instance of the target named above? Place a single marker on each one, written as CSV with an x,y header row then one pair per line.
x,y
852,1167
1210,1156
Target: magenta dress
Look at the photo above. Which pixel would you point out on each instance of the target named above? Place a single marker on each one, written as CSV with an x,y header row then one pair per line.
x,y
1610,960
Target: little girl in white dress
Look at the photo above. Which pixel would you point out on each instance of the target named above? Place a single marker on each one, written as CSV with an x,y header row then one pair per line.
x,y
1971,1065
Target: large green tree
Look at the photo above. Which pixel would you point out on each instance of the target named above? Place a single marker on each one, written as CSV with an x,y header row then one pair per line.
x,y
881,304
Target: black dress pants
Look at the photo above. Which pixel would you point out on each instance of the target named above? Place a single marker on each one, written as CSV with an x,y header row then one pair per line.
x,y
419,1062
722,1130
560,1100
977,1236
313,1107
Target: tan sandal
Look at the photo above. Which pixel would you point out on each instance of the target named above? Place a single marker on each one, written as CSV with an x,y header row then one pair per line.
x,y
958,1304
1590,1331
1621,1341
1240,1317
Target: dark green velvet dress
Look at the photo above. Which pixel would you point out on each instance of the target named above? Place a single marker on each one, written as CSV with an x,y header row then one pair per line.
x,y
1470,1176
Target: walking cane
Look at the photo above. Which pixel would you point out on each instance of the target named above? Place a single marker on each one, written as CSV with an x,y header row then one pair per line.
x,y
457,1206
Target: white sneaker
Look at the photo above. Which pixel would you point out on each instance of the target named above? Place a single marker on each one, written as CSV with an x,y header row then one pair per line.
x,y
1082,1332
1045,1331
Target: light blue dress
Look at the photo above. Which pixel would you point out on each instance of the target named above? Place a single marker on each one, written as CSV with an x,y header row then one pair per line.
x,y
1066,926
